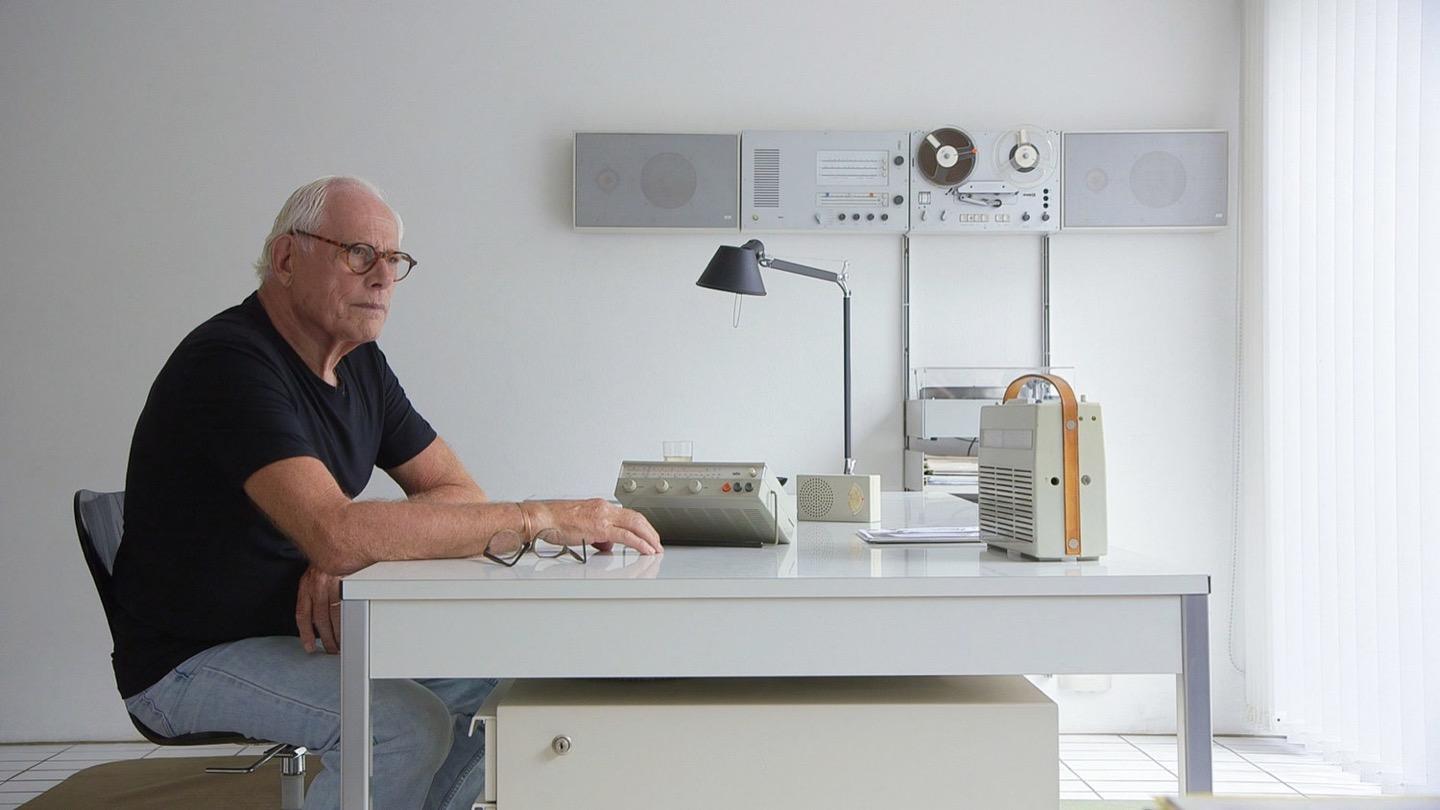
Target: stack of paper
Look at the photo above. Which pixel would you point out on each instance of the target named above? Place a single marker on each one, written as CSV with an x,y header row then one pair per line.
x,y
953,471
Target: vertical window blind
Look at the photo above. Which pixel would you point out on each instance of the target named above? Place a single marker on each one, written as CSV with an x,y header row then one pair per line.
x,y
1344,634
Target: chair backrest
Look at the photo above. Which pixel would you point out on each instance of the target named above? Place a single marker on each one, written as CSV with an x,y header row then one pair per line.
x,y
100,522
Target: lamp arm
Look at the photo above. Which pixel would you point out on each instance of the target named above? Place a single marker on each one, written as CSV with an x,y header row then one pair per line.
x,y
800,269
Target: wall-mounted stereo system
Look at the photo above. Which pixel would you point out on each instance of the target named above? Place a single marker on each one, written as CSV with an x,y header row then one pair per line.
x,y
855,182
946,180
1146,180
656,180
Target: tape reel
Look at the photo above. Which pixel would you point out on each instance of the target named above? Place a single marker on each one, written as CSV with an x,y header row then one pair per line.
x,y
1026,156
946,156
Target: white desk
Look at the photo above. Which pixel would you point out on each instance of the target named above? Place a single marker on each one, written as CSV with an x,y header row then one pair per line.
x,y
827,605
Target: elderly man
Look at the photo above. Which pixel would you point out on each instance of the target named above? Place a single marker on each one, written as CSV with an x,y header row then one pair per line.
x,y
259,432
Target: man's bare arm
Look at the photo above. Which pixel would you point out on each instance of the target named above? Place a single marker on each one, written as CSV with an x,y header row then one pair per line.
x,y
340,536
435,475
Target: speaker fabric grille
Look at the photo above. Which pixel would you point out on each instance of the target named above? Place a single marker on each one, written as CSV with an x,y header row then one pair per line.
x,y
1158,179
668,180
815,498
1007,502
766,163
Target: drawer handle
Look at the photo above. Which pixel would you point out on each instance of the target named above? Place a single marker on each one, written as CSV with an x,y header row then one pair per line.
x,y
560,745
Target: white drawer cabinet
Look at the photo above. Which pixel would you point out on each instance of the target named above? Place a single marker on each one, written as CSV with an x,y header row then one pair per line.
x,y
791,743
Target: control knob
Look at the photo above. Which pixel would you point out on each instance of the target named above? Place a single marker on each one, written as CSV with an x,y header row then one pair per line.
x,y
629,485
694,486
662,486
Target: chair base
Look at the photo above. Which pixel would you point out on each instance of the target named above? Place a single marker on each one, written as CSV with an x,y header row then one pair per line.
x,y
292,773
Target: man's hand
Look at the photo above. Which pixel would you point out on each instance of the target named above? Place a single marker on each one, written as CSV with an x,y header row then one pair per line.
x,y
317,610
595,521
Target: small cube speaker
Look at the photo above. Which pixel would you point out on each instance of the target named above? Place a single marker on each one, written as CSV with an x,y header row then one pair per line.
x,y
1143,180
656,180
840,498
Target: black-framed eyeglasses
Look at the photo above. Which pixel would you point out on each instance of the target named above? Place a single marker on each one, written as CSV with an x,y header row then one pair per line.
x,y
361,257
541,546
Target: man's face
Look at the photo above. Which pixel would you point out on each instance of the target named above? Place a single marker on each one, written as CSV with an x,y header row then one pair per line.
x,y
327,294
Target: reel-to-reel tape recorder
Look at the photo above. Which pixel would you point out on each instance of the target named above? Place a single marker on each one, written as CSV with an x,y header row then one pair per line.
x,y
985,181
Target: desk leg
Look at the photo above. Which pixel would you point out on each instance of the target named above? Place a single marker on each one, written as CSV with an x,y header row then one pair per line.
x,y
355,705
1192,696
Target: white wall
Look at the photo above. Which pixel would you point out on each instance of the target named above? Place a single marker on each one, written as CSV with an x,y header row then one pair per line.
x,y
145,148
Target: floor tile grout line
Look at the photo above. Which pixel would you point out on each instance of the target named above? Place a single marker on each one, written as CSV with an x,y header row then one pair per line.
x,y
1082,779
1261,766
1174,773
32,765
1078,776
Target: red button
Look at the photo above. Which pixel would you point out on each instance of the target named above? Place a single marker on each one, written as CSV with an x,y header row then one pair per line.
x,y
725,487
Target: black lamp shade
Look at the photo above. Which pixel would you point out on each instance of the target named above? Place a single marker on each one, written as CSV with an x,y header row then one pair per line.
x,y
733,269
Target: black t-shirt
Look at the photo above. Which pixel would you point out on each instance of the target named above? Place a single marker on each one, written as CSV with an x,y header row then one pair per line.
x,y
199,563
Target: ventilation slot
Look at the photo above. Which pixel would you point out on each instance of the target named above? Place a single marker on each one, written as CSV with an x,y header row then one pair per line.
x,y
1007,503
767,178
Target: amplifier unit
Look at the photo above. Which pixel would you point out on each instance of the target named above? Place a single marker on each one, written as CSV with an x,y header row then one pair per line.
x,y
842,182
708,503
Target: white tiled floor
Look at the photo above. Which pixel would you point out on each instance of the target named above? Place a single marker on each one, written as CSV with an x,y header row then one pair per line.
x,y
1092,766
26,771
1128,766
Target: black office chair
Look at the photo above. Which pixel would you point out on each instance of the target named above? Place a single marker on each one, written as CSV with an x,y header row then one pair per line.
x,y
99,519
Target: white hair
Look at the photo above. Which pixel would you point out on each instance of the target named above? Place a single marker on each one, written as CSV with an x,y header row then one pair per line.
x,y
304,210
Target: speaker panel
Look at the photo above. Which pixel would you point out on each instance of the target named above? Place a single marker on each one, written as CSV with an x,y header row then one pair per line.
x,y
1158,179
656,180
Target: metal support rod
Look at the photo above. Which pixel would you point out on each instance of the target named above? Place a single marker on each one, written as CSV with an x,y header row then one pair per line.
x,y
292,781
849,452
904,338
1045,302
839,280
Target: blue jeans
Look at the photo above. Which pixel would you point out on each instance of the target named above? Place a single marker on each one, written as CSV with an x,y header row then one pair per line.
x,y
271,689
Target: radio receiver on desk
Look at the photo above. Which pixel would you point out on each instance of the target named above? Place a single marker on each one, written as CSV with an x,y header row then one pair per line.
x,y
708,503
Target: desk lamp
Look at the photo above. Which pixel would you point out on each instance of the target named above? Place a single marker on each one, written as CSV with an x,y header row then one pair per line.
x,y
737,270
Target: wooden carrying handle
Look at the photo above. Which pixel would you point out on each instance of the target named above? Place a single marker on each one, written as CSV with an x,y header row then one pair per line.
x,y
1070,418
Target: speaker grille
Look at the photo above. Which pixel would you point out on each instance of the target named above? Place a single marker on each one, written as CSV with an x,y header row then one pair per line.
x,y
766,164
1007,502
668,180
1158,179
816,498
